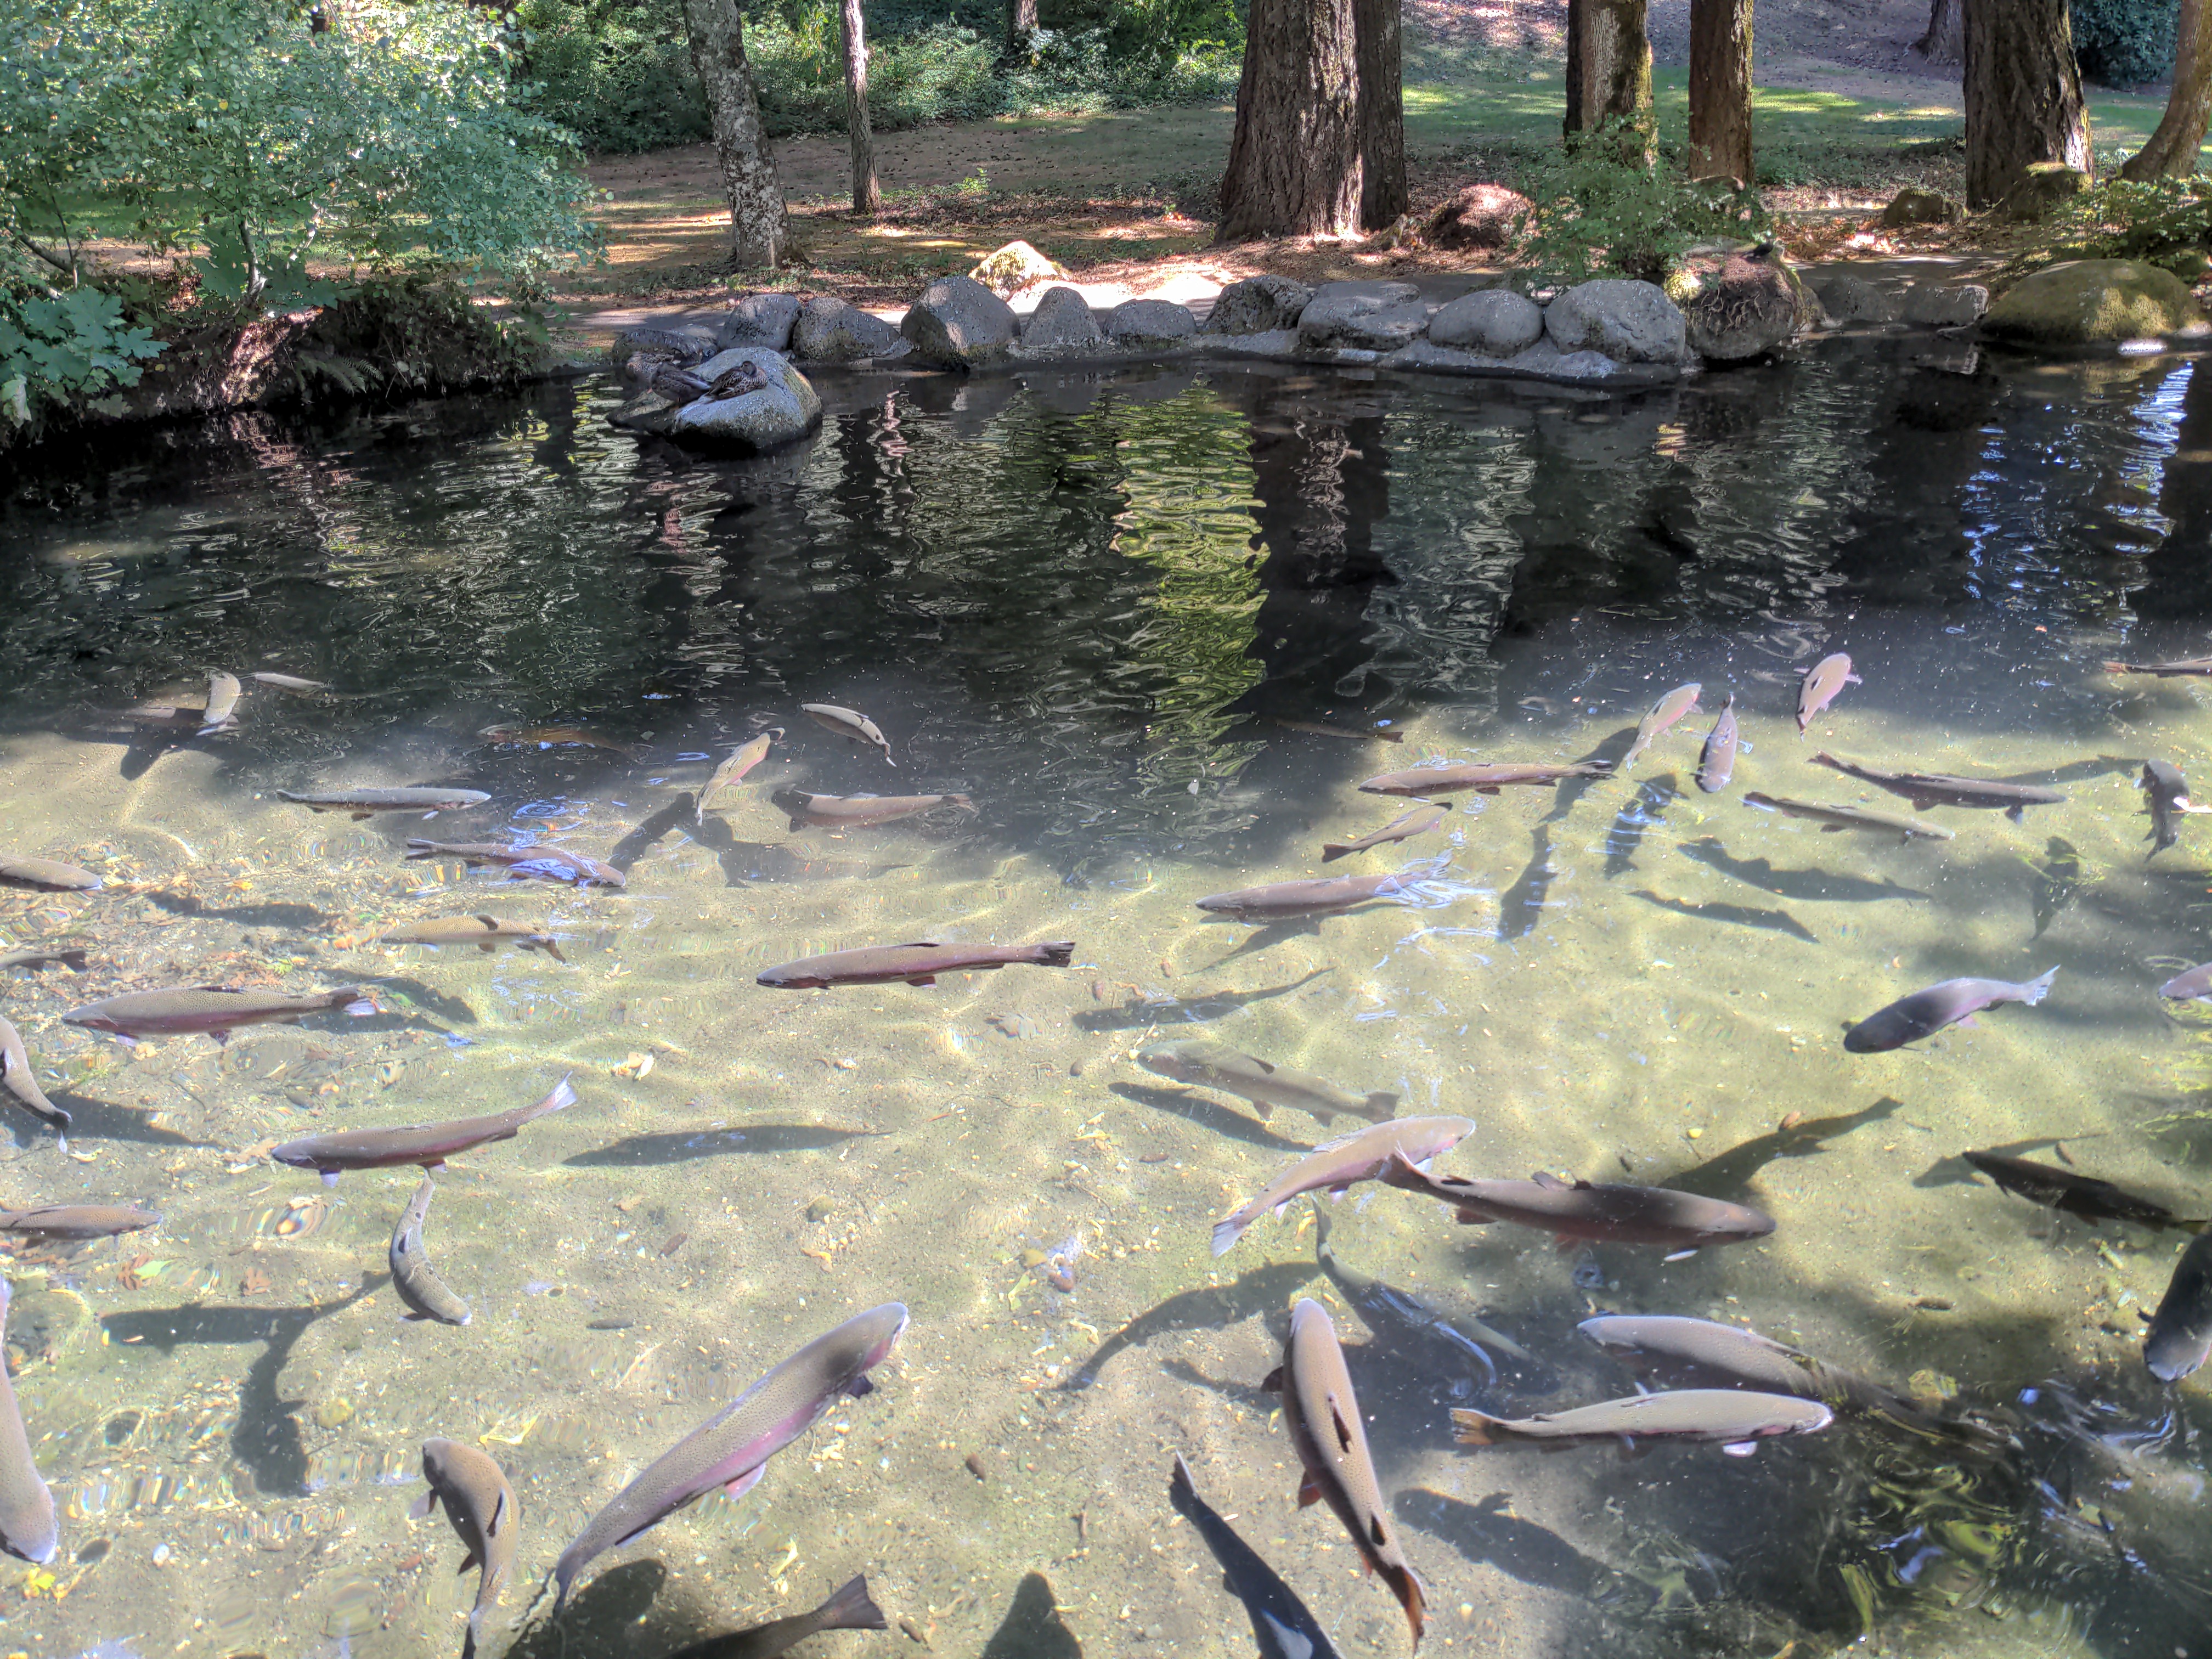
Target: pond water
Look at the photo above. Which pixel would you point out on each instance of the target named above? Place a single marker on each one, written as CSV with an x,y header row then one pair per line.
x,y
1088,605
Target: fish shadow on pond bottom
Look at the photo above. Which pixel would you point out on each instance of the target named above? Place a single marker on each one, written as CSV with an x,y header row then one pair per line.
x,y
1740,915
103,1119
300,917
1486,1533
1728,1173
1207,1115
1216,1004
267,1439
681,1145
622,1611
1206,1308
421,1000
1807,886
1032,1627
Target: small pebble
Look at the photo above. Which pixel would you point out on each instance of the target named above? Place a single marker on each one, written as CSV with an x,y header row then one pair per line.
x,y
975,1466
160,1555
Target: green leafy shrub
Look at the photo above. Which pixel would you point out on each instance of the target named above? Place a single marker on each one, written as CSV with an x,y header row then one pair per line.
x,y
617,73
58,346
1597,216
2124,43
2159,220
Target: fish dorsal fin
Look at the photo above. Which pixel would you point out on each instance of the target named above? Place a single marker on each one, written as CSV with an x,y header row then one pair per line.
x,y
919,944
1549,1181
1266,1068
225,990
488,921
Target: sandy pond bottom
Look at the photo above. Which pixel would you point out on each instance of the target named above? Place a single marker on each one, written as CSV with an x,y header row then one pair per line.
x,y
1624,980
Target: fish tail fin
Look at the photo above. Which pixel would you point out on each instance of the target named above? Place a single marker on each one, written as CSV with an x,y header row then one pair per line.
x,y
553,949
1822,758
2194,1226
1382,1106
1330,852
2113,667
1056,953
1228,1231
2038,987
422,849
852,1608
360,1007
1474,1428
1411,1595
1180,1492
563,1096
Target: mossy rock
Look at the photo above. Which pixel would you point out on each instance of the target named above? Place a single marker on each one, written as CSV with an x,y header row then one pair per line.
x,y
1910,206
2088,301
2042,187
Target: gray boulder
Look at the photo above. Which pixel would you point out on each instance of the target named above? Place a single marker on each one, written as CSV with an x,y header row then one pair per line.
x,y
1851,298
637,352
1376,316
1630,322
960,323
1062,325
783,411
1478,217
833,330
1913,206
1494,321
2043,186
1149,323
1949,305
1746,308
1258,305
758,319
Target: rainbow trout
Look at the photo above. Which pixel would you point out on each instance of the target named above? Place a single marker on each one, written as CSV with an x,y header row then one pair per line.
x,y
914,964
1321,895
221,712
731,1450
1927,789
77,1220
1736,1418
1821,686
2071,1192
1716,760
1834,820
731,772
2180,1334
1332,1168
481,1504
524,863
858,812
487,934
213,1010
45,875
412,1276
1923,1014
367,803
28,1530
1484,778
22,1087
851,727
1664,713
428,1145
1601,1213
1404,827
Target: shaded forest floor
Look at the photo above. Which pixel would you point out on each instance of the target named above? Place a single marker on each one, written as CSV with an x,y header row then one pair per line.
x,y
1847,113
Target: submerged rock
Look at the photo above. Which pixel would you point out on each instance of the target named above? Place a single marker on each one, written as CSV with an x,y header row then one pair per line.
x,y
1479,217
1062,325
1494,321
1848,298
780,409
1630,322
832,331
1148,322
959,323
758,319
1258,305
2085,301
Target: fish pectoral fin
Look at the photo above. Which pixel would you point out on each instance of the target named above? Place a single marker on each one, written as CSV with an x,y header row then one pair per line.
x,y
469,1558
1831,828
1680,1256
859,1388
1347,1434
421,1508
1266,1068
330,1178
926,979
745,1482
1970,1023
1309,1491
1741,1448
1547,1180
1273,1382
487,947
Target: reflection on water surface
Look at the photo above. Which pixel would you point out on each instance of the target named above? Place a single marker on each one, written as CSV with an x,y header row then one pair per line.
x,y
1091,607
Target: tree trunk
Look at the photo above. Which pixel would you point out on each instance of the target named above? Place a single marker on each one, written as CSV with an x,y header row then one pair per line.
x,y
1382,193
2023,95
1720,89
1021,23
2172,149
1609,73
758,228
1294,163
867,196
1946,39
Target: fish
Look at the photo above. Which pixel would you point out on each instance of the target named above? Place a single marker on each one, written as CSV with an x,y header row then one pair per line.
x,y
858,812
555,737
71,956
731,1450
544,863
1925,1013
857,728
485,933
850,1608
1381,1304
428,1145
29,1530
1704,1354
2165,794
369,802
412,1276
290,682
2195,985
1664,713
1404,827
480,1504
1820,685
741,760
1321,895
213,1011
1484,778
1322,1415
2057,879
1717,760
1315,727
916,964
1599,1213
45,875
2074,1194
2163,669
1335,1165
78,1220
1927,789
1281,1624
16,1077
1267,1085
2180,1334
1738,1418
1833,820
220,714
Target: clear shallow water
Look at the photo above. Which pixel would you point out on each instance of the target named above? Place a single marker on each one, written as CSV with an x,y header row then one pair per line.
x,y
1086,604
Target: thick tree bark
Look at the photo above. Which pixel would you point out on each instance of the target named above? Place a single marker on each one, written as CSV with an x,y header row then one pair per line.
x,y
1609,72
2172,149
867,196
1946,39
1720,89
1021,23
2023,95
1294,163
1382,192
758,228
